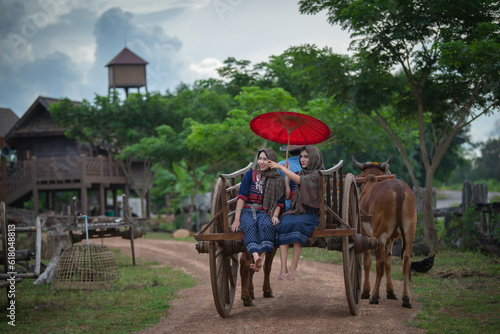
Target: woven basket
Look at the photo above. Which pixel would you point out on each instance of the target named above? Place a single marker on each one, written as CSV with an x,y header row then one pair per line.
x,y
85,267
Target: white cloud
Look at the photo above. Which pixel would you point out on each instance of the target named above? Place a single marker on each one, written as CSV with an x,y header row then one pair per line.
x,y
206,68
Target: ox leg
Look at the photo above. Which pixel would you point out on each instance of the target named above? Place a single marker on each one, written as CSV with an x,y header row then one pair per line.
x,y
406,272
380,265
367,264
251,272
388,280
245,272
266,287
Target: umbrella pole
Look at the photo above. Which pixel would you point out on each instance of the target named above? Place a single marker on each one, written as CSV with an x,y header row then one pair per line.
x,y
286,159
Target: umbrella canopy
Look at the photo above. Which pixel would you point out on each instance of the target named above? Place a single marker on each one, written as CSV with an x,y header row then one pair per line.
x,y
287,127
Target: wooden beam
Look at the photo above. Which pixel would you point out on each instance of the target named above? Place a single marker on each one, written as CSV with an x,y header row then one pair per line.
x,y
34,185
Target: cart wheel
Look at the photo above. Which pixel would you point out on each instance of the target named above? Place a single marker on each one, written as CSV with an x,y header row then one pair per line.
x,y
223,265
351,260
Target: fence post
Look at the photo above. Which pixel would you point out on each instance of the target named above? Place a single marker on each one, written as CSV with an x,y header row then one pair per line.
x,y
83,185
34,183
476,194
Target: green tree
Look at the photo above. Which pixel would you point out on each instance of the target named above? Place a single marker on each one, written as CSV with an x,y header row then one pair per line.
x,y
488,165
112,125
449,53
167,146
227,143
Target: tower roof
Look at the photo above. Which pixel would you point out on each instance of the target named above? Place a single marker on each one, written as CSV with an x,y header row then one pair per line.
x,y
127,57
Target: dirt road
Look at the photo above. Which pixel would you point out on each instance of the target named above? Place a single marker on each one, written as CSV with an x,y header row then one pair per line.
x,y
314,302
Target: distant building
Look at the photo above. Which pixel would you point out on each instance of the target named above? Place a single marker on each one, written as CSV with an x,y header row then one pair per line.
x,y
127,70
48,162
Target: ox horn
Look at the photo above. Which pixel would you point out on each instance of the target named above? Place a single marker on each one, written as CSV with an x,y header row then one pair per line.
x,y
388,162
358,165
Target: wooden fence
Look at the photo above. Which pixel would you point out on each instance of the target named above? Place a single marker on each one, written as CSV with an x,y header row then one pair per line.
x,y
476,196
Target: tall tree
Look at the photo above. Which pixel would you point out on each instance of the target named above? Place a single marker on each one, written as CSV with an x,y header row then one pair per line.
x,y
488,165
449,52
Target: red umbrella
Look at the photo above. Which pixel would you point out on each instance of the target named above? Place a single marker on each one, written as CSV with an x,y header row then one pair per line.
x,y
287,127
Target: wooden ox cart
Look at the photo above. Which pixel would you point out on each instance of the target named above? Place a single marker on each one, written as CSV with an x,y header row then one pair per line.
x,y
339,229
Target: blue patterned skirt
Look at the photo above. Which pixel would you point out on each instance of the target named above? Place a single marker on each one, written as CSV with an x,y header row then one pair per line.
x,y
296,228
259,233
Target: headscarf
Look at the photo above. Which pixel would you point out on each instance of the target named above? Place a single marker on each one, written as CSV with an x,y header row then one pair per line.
x,y
275,185
307,193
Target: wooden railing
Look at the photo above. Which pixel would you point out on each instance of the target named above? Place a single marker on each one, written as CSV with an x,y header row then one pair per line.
x,y
61,170
19,183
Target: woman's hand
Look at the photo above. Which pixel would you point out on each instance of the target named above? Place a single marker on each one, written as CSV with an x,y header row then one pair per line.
x,y
236,225
274,165
275,220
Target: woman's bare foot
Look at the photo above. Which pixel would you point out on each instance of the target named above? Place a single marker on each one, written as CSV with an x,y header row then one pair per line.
x,y
257,265
291,274
282,275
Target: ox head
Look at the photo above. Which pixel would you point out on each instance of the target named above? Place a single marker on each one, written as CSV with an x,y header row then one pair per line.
x,y
373,168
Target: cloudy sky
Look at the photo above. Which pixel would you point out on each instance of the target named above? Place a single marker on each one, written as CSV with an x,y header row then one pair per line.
x,y
59,48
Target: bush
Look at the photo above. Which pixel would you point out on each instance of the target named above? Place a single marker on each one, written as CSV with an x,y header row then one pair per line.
x,y
467,232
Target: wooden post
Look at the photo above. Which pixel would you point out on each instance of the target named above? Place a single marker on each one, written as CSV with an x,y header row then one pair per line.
x,y
34,184
321,196
102,199
83,186
132,243
148,205
54,200
115,203
47,200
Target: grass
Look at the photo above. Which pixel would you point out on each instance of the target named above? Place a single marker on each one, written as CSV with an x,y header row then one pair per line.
x,y
460,294
138,300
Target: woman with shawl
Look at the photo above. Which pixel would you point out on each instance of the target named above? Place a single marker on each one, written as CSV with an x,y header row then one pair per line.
x,y
299,223
260,202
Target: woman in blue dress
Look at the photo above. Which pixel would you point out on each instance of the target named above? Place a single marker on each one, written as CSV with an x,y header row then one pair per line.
x,y
260,202
299,223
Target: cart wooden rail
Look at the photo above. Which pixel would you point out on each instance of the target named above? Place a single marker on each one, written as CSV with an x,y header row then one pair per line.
x,y
339,229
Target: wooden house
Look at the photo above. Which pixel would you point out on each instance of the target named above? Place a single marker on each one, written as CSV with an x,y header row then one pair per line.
x,y
48,163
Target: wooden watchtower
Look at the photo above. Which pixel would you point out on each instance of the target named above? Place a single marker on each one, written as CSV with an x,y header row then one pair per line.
x,y
127,70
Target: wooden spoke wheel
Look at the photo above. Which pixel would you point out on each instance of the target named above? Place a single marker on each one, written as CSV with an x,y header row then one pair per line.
x,y
351,260
223,262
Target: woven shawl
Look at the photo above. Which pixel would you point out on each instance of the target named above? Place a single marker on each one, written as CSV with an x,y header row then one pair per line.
x,y
275,185
307,192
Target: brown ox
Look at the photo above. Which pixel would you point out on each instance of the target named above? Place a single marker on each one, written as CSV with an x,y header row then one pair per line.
x,y
246,274
393,207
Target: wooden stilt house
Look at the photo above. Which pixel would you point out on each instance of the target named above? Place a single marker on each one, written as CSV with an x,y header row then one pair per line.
x,y
49,163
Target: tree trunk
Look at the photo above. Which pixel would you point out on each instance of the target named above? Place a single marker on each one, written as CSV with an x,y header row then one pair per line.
x,y
430,231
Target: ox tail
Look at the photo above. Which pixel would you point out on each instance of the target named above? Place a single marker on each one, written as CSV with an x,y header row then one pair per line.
x,y
400,198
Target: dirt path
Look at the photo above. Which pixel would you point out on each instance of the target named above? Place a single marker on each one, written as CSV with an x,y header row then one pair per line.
x,y
314,302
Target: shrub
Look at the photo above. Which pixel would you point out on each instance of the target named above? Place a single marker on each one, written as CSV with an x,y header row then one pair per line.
x,y
468,234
